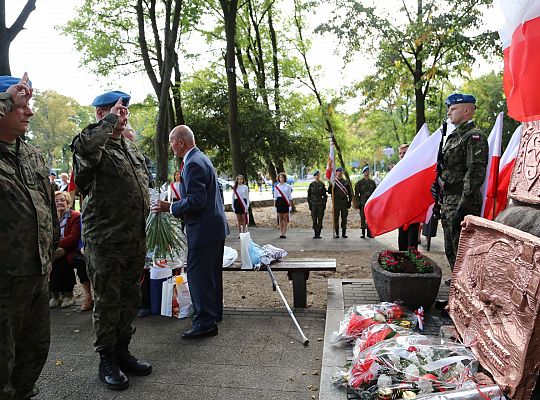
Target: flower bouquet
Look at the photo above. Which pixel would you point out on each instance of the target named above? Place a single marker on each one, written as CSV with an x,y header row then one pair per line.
x,y
165,240
359,318
406,366
376,334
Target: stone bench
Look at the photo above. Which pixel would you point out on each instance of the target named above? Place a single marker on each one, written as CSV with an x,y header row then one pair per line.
x,y
298,272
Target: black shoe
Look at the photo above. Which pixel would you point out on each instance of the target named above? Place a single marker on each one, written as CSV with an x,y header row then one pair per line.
x,y
128,363
344,234
369,235
363,233
337,234
110,373
32,393
194,334
315,235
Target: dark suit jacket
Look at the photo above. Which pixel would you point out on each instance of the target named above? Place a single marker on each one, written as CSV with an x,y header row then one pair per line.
x,y
201,204
72,235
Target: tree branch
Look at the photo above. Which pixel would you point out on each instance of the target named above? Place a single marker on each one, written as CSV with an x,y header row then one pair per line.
x,y
18,25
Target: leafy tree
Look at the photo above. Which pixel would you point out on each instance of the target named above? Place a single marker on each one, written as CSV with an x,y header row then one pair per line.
x,y
55,123
430,39
127,35
8,34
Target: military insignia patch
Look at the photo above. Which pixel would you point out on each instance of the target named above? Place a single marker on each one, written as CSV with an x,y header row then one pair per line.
x,y
475,137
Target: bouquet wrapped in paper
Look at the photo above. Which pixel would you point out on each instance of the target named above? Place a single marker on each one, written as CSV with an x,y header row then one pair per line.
x,y
359,318
409,366
165,241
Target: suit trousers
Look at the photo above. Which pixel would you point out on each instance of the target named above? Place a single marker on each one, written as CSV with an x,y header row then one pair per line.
x,y
408,238
115,272
24,333
205,278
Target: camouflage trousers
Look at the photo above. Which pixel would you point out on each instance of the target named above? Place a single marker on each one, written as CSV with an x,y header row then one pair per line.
x,y
344,212
451,223
317,215
363,223
24,333
115,271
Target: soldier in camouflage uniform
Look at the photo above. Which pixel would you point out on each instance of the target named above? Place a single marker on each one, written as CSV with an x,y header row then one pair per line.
x,y
112,173
362,190
341,202
465,158
316,197
29,234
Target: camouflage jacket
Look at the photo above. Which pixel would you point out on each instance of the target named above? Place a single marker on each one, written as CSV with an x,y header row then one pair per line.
x,y
465,158
112,173
29,231
316,194
342,199
363,189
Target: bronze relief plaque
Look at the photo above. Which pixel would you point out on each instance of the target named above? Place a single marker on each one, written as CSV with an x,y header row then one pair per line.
x,y
494,302
525,182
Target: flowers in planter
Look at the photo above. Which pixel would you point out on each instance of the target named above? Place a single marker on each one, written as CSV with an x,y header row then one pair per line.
x,y
410,261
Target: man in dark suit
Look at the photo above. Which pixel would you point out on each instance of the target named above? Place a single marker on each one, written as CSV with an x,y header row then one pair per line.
x,y
206,229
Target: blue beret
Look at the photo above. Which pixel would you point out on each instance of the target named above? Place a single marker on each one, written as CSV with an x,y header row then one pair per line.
x,y
52,173
6,81
366,168
316,173
458,98
110,99
338,169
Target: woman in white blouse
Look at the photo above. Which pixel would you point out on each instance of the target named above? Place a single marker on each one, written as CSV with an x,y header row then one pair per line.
x,y
240,202
283,203
175,187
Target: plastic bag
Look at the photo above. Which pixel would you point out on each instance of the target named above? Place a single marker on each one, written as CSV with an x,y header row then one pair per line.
x,y
175,298
415,362
359,318
271,254
245,241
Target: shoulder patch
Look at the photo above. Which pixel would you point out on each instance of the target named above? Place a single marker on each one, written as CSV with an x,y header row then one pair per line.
x,y
475,136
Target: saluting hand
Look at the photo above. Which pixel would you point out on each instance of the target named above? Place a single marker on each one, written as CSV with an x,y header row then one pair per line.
x,y
21,92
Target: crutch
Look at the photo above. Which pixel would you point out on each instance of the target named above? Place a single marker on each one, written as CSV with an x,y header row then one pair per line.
x,y
275,285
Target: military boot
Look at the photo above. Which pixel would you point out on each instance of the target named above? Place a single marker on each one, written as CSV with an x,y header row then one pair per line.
x,y
110,373
314,233
344,233
130,364
318,233
337,233
369,235
363,233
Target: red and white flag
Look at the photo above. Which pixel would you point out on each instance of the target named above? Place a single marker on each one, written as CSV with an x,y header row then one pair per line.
x,y
404,195
491,183
506,165
520,37
331,164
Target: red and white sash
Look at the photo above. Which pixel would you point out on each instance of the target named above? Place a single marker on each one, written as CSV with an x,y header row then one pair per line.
x,y
342,187
242,204
176,194
282,195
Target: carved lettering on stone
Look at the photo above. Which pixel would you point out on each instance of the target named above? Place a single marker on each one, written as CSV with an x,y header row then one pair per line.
x,y
494,301
525,183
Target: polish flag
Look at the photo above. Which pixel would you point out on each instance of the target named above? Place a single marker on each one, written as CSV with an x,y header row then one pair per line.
x,y
331,164
521,40
506,166
404,195
491,183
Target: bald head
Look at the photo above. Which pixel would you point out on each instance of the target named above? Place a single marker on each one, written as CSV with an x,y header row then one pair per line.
x,y
181,140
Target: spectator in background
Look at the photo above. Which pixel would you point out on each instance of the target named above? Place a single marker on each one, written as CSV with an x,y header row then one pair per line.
x,y
407,235
283,203
62,277
175,187
79,263
65,182
52,179
240,202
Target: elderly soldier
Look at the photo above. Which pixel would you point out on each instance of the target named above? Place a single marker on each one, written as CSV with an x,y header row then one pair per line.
x,y
342,198
465,158
28,237
111,172
316,197
363,189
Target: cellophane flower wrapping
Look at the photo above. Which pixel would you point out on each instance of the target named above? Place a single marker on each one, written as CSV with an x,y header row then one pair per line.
x,y
377,333
361,317
417,363
165,241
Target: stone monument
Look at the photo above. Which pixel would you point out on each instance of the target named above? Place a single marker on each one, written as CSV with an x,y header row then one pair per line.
x,y
495,292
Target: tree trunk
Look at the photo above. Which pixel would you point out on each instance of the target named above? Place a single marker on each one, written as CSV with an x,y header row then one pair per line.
x,y
271,168
4,57
229,8
420,100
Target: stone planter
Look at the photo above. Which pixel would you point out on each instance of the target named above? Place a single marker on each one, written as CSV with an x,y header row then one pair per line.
x,y
414,290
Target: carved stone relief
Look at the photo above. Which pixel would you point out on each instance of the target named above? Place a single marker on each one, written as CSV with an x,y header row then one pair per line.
x,y
494,299
525,182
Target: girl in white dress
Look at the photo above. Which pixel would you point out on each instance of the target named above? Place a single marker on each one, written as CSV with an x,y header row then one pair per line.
x,y
240,203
